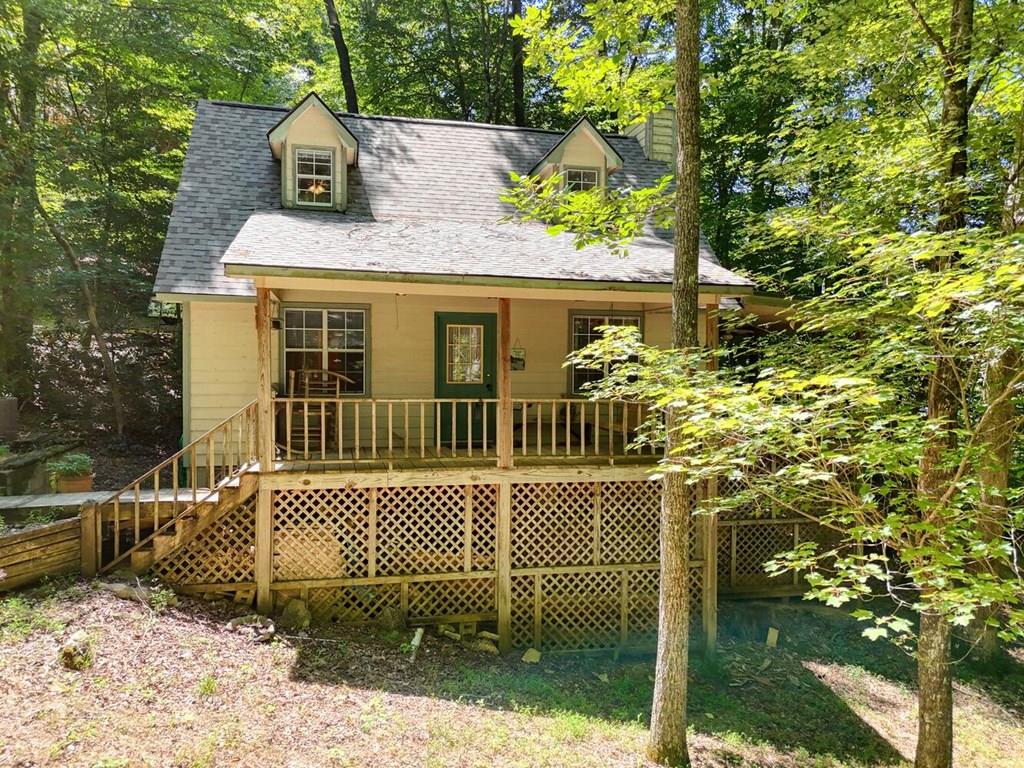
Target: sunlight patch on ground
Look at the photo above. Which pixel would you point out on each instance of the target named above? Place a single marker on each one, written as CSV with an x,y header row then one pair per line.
x,y
985,736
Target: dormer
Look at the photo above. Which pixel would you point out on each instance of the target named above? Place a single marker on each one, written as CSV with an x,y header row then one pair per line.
x,y
582,157
315,149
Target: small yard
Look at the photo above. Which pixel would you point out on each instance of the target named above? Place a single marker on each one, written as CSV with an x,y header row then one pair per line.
x,y
177,688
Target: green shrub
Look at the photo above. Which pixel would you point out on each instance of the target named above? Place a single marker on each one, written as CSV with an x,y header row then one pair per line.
x,y
70,465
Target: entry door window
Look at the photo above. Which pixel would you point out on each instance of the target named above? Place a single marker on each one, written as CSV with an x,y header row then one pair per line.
x,y
465,354
327,339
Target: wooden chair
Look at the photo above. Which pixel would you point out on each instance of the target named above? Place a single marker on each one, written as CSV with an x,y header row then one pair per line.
x,y
316,384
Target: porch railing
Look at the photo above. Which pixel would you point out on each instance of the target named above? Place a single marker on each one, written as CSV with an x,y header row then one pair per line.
x,y
365,431
133,516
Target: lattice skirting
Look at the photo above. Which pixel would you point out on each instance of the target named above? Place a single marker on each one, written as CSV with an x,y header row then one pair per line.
x,y
589,609
744,546
582,558
223,554
580,572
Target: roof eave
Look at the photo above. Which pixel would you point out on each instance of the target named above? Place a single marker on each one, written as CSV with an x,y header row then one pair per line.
x,y
498,281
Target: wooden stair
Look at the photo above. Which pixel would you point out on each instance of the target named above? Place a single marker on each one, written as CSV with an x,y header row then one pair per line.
x,y
190,524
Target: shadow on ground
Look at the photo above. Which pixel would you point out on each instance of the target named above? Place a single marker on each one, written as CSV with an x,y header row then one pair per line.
x,y
747,694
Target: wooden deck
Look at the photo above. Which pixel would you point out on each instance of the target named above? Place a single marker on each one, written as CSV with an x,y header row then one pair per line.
x,y
460,459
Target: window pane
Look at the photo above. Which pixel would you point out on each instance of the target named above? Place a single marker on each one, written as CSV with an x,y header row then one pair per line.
x,y
580,179
350,364
313,176
584,331
313,339
307,338
465,354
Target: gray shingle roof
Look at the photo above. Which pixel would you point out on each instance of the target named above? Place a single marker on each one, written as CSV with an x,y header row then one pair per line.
x,y
310,240
423,199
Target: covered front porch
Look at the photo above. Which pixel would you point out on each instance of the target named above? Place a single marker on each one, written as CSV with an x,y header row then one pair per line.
x,y
406,377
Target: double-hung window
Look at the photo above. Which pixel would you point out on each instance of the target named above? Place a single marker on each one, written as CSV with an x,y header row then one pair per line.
x,y
584,330
314,176
581,179
328,339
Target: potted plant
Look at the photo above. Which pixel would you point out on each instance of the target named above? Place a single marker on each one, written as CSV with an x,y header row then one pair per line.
x,y
71,473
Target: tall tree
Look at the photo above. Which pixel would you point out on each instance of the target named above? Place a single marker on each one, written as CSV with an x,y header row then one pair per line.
x,y
344,63
518,83
21,84
667,744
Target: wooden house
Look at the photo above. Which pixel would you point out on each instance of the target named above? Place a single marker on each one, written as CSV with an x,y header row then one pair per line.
x,y
377,414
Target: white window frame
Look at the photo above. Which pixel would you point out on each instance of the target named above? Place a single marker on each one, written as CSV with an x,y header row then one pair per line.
x,y
605,318
325,349
315,176
583,185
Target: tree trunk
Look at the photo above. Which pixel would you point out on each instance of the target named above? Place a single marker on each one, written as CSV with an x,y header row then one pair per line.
x,y
17,216
518,86
997,439
667,744
935,687
344,64
935,694
106,359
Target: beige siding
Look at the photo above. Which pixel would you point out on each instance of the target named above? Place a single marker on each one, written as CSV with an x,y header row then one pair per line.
x,y
221,366
402,337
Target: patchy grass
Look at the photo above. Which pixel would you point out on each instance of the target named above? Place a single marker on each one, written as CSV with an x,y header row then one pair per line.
x,y
176,689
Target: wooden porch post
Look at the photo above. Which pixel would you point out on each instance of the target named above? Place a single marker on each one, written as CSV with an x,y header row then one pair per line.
x,y
264,394
503,564
709,600
264,452
504,386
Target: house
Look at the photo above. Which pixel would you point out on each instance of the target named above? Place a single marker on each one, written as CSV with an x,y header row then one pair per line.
x,y
377,417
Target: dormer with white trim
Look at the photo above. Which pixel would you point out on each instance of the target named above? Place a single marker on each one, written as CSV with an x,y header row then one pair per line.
x,y
315,149
582,157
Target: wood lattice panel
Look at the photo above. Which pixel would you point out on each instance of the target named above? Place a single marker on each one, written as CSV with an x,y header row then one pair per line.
x,y
421,530
321,534
221,554
354,605
728,487
741,558
522,611
629,521
581,610
484,504
435,599
757,544
643,607
407,537
552,524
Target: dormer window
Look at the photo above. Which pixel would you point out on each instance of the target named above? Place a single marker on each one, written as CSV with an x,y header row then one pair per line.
x,y
314,175
582,179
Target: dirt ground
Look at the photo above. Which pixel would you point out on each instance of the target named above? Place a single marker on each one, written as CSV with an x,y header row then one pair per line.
x,y
177,688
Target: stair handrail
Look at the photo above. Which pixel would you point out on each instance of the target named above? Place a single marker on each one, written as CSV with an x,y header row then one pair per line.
x,y
239,458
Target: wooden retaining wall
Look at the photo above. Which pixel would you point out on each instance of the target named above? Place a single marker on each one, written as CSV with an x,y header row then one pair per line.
x,y
49,550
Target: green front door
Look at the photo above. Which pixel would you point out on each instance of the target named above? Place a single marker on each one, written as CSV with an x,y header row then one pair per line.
x,y
465,367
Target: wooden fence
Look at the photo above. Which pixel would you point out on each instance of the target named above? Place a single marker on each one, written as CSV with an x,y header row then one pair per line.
x,y
49,550
554,565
